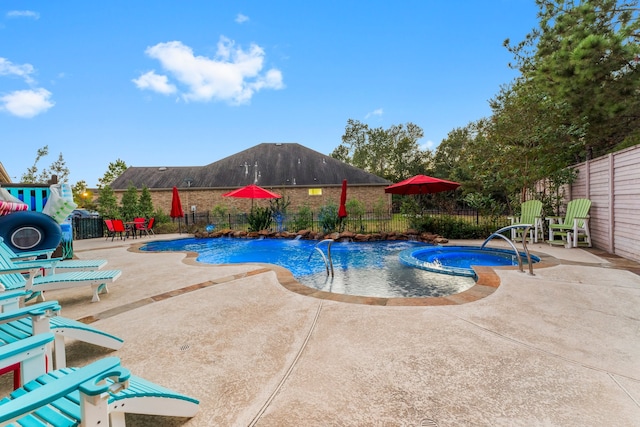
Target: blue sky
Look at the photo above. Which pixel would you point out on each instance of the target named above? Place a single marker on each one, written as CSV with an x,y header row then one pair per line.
x,y
187,83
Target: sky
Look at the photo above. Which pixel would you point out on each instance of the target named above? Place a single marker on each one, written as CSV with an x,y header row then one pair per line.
x,y
188,83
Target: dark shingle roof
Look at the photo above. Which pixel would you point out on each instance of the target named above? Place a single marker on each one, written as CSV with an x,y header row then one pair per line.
x,y
266,164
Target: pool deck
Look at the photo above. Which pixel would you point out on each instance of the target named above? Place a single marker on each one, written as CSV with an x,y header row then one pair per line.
x,y
561,348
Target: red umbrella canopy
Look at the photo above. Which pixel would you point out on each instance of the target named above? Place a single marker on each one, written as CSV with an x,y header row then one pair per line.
x,y
252,191
421,184
342,211
176,205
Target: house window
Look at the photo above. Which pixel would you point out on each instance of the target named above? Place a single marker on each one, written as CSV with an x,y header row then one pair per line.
x,y
315,191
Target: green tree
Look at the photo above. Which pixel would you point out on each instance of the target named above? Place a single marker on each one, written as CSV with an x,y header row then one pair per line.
x,y
108,203
58,168
393,153
449,158
145,203
82,196
114,170
582,62
129,206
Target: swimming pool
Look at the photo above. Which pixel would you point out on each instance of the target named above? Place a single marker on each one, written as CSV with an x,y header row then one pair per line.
x,y
371,269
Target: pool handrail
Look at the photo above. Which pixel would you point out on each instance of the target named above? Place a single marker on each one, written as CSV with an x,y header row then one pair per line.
x,y
328,263
499,232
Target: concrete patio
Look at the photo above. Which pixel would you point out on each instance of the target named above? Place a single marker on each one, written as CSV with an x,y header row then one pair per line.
x,y
561,348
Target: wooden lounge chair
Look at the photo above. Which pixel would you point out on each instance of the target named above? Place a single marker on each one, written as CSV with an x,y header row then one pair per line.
x,y
96,395
18,323
11,278
530,213
573,229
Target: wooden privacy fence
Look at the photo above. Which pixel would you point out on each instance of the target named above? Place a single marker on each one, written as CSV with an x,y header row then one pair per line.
x,y
612,184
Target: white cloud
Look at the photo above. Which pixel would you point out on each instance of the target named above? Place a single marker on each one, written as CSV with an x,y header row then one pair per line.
x,y
155,82
23,14
240,18
428,146
233,75
377,112
7,68
23,103
26,103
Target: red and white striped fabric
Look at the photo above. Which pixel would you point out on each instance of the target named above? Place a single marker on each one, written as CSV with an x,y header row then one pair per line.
x,y
9,207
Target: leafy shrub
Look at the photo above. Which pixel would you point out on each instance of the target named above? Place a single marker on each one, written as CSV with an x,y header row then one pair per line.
x,y
355,218
220,216
328,218
452,227
259,219
161,217
303,219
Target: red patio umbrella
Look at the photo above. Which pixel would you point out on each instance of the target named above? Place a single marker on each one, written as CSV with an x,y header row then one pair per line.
x,y
421,184
252,191
342,210
176,208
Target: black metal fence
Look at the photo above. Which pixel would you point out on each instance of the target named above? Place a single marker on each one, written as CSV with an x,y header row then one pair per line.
x,y
461,223
87,228
367,222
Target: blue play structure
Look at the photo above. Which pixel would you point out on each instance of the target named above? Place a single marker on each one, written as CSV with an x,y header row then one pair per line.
x,y
34,197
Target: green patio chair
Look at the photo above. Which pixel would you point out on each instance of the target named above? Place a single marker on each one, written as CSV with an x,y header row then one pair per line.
x,y
530,213
573,229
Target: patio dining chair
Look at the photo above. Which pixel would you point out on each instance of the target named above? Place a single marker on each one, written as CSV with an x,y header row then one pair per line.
x,y
119,228
111,232
146,227
139,225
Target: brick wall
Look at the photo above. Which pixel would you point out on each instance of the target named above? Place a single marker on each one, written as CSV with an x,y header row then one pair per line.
x,y
207,199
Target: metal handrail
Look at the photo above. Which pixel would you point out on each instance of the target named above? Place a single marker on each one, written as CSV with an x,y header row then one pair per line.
x,y
498,233
328,262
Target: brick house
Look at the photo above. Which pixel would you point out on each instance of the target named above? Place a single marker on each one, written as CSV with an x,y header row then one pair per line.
x,y
303,175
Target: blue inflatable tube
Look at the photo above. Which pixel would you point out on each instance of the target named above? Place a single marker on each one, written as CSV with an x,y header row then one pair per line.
x,y
30,231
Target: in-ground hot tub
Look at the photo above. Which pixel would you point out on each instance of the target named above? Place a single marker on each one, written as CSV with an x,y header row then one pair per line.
x,y
458,260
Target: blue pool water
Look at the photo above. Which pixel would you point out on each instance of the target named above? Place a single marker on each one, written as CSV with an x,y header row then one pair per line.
x,y
457,260
360,268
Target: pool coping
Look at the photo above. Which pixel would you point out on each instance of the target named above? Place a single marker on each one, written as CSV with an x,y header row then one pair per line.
x,y
487,283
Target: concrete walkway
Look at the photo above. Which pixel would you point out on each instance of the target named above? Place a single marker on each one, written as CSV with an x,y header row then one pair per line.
x,y
561,348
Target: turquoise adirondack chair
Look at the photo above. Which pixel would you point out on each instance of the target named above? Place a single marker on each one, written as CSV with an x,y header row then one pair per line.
x,y
97,394
530,213
573,229
18,323
12,277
